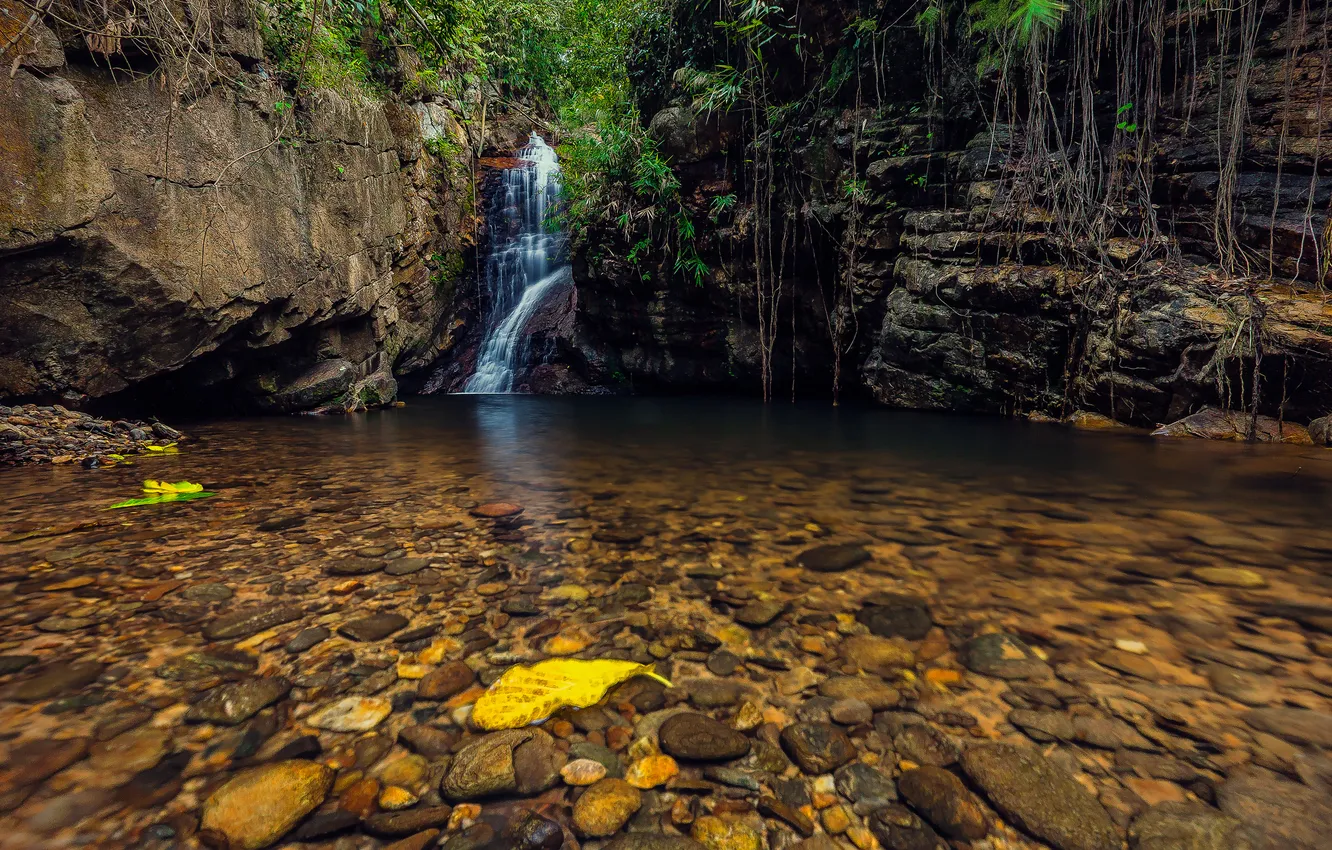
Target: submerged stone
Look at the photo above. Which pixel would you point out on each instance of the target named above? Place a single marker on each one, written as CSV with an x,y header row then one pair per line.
x,y
832,558
260,805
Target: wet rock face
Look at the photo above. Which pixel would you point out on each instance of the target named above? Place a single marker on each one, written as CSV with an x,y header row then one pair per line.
x,y
300,291
962,303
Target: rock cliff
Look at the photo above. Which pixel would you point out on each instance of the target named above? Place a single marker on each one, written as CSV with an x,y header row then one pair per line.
x,y
921,237
222,240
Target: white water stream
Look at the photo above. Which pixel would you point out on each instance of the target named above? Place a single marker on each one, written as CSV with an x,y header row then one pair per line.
x,y
526,260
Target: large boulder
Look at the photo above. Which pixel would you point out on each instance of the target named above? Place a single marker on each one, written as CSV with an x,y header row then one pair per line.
x,y
1320,431
220,257
1214,424
322,383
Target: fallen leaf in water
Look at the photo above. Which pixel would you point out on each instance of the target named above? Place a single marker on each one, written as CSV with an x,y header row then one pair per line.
x,y
160,492
151,486
525,695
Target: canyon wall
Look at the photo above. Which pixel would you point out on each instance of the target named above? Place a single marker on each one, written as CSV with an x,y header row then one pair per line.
x,y
949,293
219,241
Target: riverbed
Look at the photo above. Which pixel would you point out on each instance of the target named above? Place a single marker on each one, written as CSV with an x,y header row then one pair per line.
x,y
1153,617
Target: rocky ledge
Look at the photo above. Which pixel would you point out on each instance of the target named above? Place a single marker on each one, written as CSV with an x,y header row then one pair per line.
x,y
33,434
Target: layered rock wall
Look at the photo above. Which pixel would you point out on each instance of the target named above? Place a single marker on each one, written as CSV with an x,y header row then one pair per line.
x,y
951,294
225,246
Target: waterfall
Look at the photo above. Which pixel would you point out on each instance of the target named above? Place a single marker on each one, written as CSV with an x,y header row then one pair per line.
x,y
522,267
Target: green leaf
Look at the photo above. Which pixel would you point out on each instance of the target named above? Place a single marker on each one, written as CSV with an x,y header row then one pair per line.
x,y
162,498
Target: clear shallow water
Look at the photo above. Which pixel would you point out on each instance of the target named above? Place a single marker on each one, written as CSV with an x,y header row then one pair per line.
x,y
671,517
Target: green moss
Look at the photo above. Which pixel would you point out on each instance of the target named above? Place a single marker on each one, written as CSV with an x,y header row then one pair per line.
x,y
369,396
446,267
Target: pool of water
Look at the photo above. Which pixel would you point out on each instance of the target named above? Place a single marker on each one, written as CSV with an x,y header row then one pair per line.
x,y
1148,597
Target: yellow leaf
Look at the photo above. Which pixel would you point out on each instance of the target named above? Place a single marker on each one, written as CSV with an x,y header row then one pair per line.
x,y
525,695
151,486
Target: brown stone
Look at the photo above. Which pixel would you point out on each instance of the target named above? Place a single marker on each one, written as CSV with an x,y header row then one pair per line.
x,y
445,681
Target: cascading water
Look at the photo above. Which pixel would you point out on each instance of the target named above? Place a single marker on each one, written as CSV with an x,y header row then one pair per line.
x,y
522,268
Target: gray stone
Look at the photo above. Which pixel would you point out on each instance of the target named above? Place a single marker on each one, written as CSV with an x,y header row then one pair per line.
x,y
1188,826
1109,733
320,383
1248,688
872,691
406,566
817,747
484,766
1003,657
57,679
209,592
715,693
759,613
906,618
307,638
250,621
374,627
603,756
14,663
536,765
235,703
1040,797
1043,726
1292,816
1298,725
898,828
926,745
832,558
866,786
407,822
653,841
354,566
945,802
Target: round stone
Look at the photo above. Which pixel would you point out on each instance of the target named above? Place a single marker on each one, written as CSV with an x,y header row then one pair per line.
x,y
605,807
759,613
260,805
716,833
497,510
832,558
351,714
1003,657
651,771
582,772
445,681
874,692
817,747
912,622
700,738
945,802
